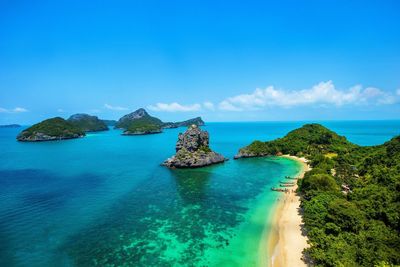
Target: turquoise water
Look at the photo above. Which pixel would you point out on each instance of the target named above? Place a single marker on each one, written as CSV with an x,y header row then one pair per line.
x,y
105,199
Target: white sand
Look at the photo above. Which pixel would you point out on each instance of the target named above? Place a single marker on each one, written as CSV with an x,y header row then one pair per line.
x,y
287,244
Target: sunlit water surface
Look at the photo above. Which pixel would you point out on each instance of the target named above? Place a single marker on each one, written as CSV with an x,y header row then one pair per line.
x,y
104,199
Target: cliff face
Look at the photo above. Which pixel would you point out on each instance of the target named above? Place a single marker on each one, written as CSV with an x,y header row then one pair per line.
x,y
192,150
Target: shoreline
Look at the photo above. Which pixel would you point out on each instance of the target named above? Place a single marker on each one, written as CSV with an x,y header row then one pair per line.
x,y
285,242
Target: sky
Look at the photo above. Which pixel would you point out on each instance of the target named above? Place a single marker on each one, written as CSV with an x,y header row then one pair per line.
x,y
222,60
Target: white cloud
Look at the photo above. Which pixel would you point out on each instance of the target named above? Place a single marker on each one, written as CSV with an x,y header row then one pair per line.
x,y
19,109
14,110
208,105
60,110
226,105
324,93
174,107
398,92
117,108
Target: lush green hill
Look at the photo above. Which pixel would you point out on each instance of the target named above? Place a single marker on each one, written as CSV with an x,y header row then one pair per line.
x,y
50,129
307,140
350,198
139,117
87,123
140,122
142,126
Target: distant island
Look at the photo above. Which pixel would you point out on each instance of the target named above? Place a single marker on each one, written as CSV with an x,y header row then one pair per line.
x,y
193,151
195,121
349,199
140,122
49,130
10,126
87,123
110,122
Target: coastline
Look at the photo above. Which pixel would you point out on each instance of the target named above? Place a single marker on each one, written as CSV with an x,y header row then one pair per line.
x,y
285,242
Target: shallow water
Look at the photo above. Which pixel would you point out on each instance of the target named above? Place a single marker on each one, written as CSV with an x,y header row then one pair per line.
x,y
105,200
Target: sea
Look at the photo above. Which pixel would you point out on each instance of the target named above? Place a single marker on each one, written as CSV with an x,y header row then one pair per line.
x,y
105,200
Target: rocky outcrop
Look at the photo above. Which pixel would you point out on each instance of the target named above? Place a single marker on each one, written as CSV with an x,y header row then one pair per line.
x,y
193,151
50,130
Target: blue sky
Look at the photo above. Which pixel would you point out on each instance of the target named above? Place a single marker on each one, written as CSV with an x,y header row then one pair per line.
x,y
223,60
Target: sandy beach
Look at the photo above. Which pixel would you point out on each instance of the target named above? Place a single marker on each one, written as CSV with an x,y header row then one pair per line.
x,y
286,241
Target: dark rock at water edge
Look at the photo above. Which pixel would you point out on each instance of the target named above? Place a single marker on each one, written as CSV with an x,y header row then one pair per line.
x,y
193,151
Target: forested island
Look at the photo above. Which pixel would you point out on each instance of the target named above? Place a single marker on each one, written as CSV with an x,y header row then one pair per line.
x,y
50,130
140,122
87,122
350,199
10,126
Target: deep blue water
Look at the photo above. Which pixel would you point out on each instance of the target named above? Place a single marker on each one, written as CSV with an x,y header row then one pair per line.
x,y
104,199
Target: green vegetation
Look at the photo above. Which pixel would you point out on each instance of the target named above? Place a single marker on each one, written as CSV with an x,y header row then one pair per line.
x,y
351,201
139,117
56,127
142,125
311,139
195,121
87,123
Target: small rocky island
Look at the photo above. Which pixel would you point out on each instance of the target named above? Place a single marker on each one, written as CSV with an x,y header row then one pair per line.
x,y
193,151
87,123
50,130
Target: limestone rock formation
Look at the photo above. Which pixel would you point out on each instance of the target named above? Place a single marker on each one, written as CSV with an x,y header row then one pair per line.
x,y
193,151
